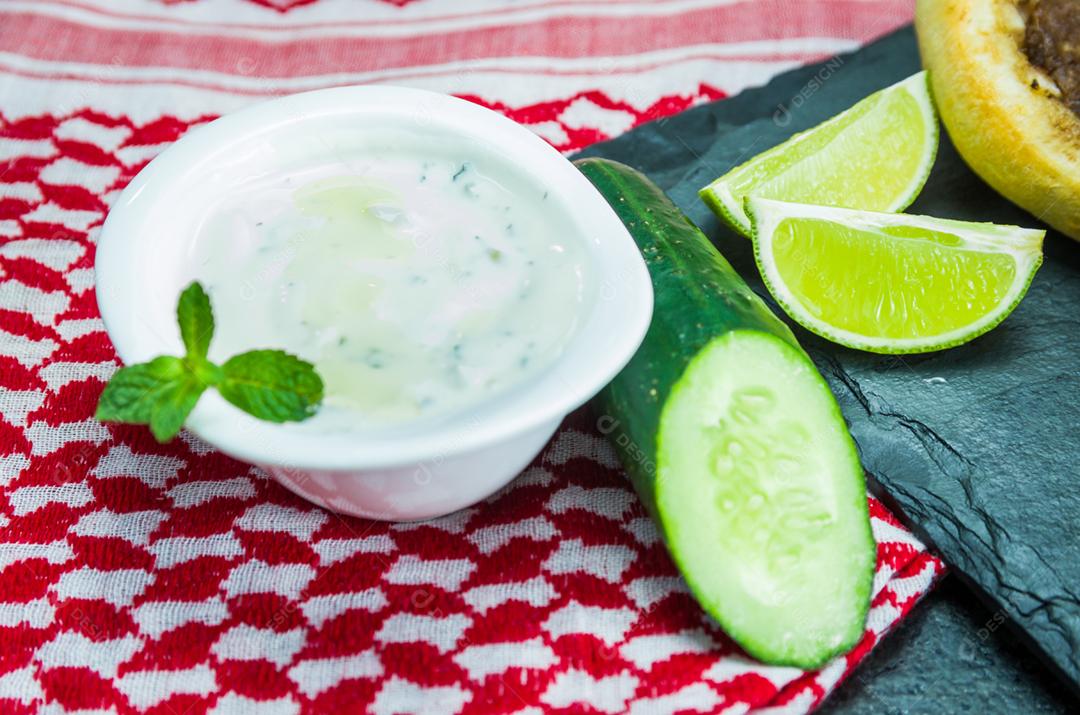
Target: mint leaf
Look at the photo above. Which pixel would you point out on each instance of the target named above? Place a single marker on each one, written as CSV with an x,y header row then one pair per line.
x,y
269,384
174,405
160,393
272,385
134,391
196,320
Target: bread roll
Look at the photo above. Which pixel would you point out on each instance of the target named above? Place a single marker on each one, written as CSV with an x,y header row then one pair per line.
x,y
1006,78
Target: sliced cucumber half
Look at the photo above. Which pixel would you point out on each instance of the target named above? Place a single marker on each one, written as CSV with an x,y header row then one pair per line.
x,y
761,494
736,446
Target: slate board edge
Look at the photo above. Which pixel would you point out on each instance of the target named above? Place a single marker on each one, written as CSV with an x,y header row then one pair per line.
x,y
797,78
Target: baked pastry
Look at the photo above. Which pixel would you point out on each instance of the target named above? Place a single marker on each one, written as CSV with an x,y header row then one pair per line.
x,y
1006,78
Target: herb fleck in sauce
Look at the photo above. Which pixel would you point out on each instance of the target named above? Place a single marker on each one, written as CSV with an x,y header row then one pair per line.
x,y
418,288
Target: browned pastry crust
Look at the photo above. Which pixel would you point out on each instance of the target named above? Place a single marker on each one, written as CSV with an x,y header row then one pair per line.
x,y
1005,112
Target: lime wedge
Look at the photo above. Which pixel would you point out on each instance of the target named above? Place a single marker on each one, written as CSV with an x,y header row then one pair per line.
x,y
875,157
891,283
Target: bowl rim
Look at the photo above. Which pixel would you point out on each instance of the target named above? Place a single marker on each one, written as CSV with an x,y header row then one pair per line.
x,y
556,391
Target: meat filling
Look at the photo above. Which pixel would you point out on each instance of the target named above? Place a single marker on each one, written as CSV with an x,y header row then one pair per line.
x,y
1052,42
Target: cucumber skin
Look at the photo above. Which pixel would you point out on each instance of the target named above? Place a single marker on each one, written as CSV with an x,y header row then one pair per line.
x,y
698,296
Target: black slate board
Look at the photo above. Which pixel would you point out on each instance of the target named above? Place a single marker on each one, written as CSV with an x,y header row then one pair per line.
x,y
944,659
976,447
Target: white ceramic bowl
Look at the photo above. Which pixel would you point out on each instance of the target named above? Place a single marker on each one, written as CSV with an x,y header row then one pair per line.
x,y
408,474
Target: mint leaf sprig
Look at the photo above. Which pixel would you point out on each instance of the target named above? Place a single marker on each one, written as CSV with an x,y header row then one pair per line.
x,y
271,385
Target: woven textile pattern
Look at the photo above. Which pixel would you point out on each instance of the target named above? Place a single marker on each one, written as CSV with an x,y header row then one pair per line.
x,y
146,578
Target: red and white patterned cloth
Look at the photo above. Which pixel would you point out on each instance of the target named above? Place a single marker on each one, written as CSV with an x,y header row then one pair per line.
x,y
140,578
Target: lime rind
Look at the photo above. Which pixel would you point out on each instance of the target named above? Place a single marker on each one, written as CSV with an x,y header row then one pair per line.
x,y
719,196
722,202
918,86
1024,245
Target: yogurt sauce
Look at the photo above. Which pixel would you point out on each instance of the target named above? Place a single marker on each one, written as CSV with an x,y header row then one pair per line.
x,y
418,285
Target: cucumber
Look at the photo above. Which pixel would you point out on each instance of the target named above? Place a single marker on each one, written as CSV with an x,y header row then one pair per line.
x,y
737,447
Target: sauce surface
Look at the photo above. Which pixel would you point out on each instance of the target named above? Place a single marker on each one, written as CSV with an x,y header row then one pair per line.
x,y
417,286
